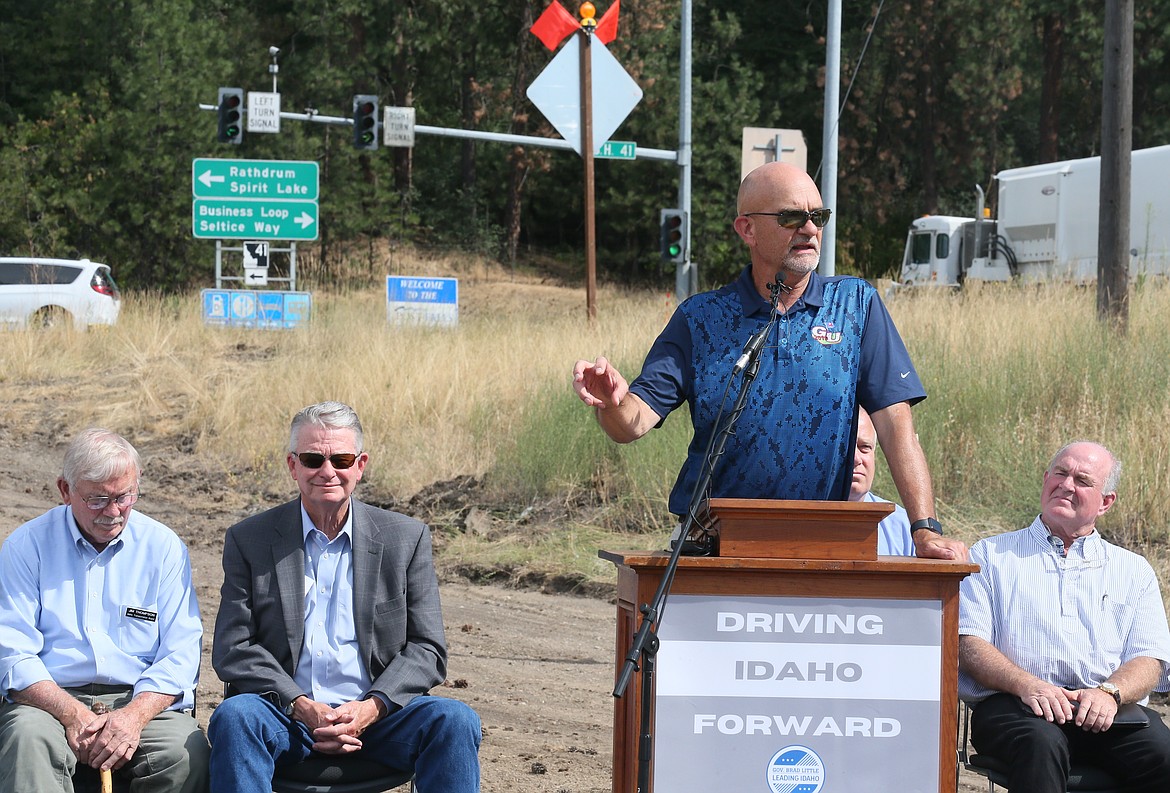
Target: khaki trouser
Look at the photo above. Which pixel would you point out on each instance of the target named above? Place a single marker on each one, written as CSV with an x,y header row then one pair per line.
x,y
34,755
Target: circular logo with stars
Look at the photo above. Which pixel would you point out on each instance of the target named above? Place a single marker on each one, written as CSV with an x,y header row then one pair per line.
x,y
796,769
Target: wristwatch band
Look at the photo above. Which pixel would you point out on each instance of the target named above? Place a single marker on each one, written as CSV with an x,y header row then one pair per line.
x,y
927,523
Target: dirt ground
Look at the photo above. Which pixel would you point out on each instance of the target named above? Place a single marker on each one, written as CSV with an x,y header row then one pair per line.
x,y
538,668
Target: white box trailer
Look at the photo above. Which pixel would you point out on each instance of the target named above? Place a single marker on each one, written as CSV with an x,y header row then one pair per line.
x,y
1047,227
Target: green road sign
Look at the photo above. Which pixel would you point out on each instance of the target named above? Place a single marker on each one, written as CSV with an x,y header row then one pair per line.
x,y
263,179
618,150
250,219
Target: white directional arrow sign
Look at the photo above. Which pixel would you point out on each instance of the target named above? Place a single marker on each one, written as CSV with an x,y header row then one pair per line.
x,y
208,178
305,220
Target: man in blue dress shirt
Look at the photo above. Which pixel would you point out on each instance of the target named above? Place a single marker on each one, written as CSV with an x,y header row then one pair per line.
x,y
830,347
894,537
97,606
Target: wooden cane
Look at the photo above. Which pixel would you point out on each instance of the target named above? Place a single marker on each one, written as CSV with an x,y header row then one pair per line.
x,y
105,774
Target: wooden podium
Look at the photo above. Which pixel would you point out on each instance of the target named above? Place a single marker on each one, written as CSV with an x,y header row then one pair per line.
x,y
800,568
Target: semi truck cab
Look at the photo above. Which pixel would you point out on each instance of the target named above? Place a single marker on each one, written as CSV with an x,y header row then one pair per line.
x,y
932,251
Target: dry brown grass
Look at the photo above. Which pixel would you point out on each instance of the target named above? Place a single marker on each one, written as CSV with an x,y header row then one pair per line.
x,y
1012,373
435,402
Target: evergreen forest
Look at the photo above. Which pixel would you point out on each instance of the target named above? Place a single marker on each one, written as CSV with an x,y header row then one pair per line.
x,y
100,120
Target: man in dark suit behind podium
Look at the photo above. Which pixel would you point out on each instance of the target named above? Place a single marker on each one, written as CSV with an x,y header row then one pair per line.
x,y
331,630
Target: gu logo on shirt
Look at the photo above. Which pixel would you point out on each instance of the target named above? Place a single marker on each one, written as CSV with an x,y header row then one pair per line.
x,y
796,769
826,335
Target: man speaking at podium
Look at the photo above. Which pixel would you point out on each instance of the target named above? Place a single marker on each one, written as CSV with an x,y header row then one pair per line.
x,y
826,347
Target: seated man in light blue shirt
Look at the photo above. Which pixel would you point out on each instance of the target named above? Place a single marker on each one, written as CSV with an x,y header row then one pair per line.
x,y
894,536
97,607
1058,630
330,631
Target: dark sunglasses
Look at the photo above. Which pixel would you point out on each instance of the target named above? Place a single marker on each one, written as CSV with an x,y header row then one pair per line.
x,y
795,218
315,460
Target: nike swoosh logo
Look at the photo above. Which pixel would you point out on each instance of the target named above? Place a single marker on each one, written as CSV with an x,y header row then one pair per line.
x,y
904,375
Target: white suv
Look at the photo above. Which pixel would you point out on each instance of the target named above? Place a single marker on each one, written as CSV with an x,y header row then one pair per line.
x,y
49,292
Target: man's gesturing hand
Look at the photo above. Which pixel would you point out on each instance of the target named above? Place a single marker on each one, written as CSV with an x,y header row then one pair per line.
x,y
599,384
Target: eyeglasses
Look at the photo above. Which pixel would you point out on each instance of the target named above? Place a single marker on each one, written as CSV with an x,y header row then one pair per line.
x,y
314,460
99,503
795,218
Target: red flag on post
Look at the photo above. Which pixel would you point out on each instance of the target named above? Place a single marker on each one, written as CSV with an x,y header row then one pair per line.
x,y
606,30
554,25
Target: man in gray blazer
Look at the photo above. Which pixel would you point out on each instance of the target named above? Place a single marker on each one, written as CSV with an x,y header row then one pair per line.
x,y
330,630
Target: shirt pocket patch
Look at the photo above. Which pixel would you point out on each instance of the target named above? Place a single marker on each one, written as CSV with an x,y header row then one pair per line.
x,y
138,631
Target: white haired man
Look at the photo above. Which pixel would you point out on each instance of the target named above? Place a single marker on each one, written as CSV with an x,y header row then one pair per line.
x,y
97,606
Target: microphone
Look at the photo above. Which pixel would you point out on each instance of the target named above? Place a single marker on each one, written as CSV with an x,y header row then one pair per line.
x,y
752,349
778,287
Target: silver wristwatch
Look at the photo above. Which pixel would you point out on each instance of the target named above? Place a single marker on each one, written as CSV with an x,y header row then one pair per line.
x,y
1112,691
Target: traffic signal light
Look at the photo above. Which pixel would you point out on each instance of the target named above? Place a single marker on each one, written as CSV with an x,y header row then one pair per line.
x,y
231,115
673,225
365,121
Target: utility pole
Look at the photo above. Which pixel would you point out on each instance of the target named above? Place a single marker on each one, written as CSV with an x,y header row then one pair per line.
x,y
1116,147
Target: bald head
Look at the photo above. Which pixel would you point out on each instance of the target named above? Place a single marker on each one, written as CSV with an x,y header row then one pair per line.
x,y
783,252
1079,486
774,184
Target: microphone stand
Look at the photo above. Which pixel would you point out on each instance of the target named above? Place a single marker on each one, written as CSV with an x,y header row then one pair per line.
x,y
645,644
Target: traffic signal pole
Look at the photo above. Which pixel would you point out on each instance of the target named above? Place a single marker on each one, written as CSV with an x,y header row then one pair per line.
x,y
315,117
686,278
832,114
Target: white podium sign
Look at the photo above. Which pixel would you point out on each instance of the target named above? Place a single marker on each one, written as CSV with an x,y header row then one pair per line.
x,y
788,694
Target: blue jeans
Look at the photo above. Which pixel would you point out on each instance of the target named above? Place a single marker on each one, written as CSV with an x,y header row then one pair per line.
x,y
438,738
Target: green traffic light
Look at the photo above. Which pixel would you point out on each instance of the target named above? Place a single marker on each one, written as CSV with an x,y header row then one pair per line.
x,y
230,112
673,234
365,121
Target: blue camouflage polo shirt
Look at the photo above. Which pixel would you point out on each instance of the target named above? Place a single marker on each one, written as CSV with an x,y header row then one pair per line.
x,y
834,348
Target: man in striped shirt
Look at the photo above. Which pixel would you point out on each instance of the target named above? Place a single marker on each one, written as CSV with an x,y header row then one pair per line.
x,y
1057,630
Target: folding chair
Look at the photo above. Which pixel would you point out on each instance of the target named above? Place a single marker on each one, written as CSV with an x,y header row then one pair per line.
x,y
324,774
1082,778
